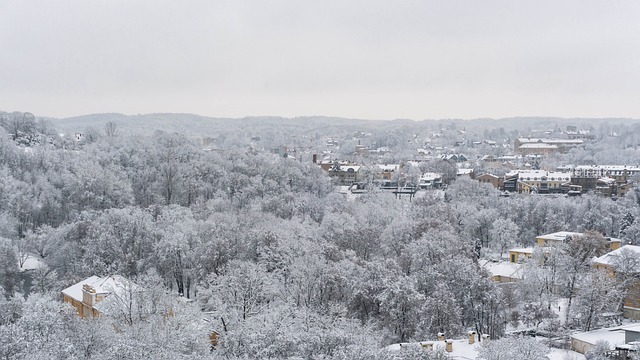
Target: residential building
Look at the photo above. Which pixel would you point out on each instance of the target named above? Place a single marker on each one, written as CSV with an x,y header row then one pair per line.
x,y
518,255
88,296
615,262
387,171
344,173
555,238
465,172
430,180
607,180
537,149
496,181
503,271
537,181
544,146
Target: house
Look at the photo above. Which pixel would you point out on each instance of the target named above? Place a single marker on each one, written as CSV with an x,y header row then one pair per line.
x,y
430,180
607,180
88,295
496,181
616,261
518,255
465,172
503,271
620,173
555,238
537,181
606,186
387,171
454,158
345,174
537,149
541,146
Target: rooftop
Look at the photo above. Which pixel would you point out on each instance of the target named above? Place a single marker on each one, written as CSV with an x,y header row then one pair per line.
x,y
461,348
611,258
558,236
527,175
614,336
528,250
503,269
538,146
103,286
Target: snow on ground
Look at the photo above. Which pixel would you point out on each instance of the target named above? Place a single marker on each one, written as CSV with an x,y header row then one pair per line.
x,y
32,262
462,350
560,354
562,310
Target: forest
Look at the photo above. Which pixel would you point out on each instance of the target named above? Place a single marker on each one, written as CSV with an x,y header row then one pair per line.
x,y
262,246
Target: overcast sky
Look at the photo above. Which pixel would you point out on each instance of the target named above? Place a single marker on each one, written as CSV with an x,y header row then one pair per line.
x,y
365,59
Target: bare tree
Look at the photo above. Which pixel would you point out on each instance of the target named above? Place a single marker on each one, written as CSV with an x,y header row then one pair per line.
x,y
111,129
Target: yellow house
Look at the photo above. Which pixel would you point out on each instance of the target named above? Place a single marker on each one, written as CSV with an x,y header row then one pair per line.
x,y
503,271
87,295
612,263
555,238
518,255
540,181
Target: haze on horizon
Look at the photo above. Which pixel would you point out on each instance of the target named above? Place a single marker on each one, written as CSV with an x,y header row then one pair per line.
x,y
359,59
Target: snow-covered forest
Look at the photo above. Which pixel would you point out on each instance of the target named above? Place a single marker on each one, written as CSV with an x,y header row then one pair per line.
x,y
265,249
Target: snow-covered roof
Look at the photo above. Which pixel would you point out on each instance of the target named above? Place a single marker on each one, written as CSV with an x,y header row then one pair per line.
x,y
538,146
465,171
607,180
534,175
614,336
608,167
388,167
355,168
488,175
430,176
461,348
558,236
610,258
528,250
503,268
549,141
103,286
632,327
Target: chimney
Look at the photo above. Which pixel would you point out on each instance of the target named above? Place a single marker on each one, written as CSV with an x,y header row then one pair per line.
x,y
449,345
472,337
485,338
315,158
88,294
440,336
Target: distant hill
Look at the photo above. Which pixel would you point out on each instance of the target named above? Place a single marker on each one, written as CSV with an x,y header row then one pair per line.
x,y
202,126
190,124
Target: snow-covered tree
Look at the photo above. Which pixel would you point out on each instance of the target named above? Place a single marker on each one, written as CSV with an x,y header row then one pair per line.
x,y
524,348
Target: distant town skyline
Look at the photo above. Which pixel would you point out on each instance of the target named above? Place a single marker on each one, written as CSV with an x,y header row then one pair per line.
x,y
354,59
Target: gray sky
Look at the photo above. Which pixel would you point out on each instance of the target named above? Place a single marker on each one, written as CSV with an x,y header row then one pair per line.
x,y
362,59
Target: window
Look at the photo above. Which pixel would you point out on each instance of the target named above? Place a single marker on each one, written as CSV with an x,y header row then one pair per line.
x,y
513,258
